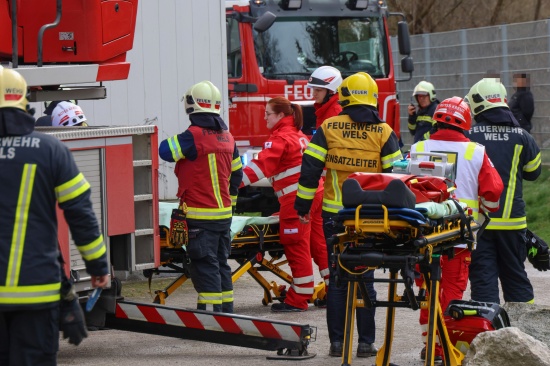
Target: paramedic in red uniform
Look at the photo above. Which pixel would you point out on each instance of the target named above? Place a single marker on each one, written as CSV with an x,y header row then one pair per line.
x,y
477,184
501,250
209,172
280,161
356,140
37,174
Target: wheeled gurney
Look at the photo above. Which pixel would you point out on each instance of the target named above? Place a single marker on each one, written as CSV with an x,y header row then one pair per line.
x,y
255,247
373,235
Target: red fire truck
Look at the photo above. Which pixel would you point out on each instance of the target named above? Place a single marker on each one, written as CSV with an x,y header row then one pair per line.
x,y
274,46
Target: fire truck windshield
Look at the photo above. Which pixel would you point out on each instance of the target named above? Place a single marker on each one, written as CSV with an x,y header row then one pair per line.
x,y
294,47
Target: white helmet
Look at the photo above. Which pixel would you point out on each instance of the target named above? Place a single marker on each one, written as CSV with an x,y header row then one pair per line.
x,y
203,97
327,77
486,94
67,114
425,88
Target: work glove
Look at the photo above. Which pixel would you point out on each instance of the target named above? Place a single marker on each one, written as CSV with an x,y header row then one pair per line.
x,y
537,251
71,316
179,233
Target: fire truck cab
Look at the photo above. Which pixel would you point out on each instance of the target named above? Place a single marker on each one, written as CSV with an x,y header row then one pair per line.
x,y
305,34
274,46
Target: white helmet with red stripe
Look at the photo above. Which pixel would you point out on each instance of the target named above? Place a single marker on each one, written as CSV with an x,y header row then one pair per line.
x,y
202,97
486,94
68,114
327,77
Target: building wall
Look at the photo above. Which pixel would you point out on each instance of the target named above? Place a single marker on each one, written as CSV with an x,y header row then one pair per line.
x,y
177,44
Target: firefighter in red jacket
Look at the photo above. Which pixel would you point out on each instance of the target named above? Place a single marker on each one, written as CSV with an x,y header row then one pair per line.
x,y
209,172
324,83
39,174
477,184
280,162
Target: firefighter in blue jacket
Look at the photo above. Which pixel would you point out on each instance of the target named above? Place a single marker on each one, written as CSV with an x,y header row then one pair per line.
x,y
209,171
501,250
37,171
356,140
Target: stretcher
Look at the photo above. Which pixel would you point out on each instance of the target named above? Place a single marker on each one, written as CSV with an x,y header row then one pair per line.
x,y
373,236
255,247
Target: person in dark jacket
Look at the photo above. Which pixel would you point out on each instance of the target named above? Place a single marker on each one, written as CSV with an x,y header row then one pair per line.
x,y
522,103
38,174
209,171
501,250
356,140
420,120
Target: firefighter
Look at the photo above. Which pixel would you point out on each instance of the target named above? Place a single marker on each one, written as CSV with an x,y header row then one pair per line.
x,y
209,172
38,174
324,83
280,162
67,114
477,184
501,250
420,120
357,140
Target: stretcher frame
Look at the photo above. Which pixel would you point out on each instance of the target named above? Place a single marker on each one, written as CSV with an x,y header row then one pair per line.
x,y
248,248
368,243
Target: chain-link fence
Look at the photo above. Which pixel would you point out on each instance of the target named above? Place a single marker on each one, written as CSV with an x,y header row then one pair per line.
x,y
454,61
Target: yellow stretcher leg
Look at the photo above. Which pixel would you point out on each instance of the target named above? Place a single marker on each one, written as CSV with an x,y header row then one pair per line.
x,y
383,355
436,323
161,295
351,305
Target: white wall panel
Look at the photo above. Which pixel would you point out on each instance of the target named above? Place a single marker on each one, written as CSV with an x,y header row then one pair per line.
x,y
177,44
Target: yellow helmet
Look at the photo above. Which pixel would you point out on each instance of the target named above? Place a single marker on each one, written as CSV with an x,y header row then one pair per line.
x,y
203,97
359,88
13,90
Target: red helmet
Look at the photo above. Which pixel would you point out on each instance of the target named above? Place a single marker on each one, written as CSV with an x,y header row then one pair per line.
x,y
455,112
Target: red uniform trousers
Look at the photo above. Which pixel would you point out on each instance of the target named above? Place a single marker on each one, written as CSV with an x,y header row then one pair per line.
x,y
454,280
294,236
317,242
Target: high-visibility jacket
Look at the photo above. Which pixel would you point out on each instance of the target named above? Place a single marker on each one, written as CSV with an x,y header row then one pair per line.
x,y
421,122
343,147
516,157
209,171
326,110
478,183
280,160
37,172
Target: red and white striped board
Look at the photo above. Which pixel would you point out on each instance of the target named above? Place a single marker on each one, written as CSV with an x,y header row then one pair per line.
x,y
210,321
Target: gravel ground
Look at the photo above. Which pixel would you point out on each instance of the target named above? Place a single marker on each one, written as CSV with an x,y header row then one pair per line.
x,y
113,347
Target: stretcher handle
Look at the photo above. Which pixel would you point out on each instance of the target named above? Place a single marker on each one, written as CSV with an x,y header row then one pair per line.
x,y
375,259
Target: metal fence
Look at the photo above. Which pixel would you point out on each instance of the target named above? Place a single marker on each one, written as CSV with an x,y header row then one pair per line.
x,y
454,61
